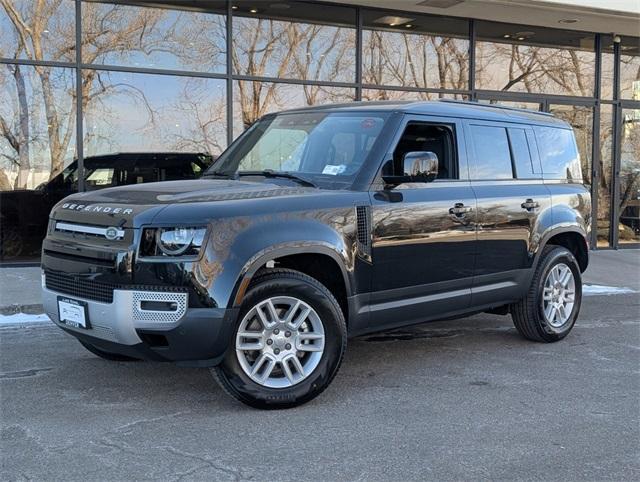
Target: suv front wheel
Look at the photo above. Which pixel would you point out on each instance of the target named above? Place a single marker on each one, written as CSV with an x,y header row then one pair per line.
x,y
288,344
549,310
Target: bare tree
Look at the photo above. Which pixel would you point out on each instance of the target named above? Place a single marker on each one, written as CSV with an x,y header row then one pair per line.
x,y
265,47
415,60
135,31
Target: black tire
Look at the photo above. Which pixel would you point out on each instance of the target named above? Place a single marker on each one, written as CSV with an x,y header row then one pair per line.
x,y
527,314
107,355
286,282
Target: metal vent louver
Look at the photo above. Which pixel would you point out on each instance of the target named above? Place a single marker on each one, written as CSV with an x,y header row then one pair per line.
x,y
363,219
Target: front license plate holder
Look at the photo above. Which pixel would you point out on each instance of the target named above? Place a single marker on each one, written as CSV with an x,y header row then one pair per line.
x,y
74,313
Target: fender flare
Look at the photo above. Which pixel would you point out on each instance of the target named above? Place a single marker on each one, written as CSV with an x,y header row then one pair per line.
x,y
278,251
553,231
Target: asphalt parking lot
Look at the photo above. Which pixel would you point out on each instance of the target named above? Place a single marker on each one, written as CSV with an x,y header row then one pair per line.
x,y
457,400
466,399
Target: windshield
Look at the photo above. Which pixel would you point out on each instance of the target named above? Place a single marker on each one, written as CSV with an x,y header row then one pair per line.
x,y
326,148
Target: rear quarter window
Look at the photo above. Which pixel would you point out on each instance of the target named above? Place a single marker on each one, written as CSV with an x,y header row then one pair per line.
x,y
558,153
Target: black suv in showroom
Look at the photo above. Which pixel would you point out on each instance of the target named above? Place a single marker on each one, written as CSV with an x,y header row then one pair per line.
x,y
324,223
24,213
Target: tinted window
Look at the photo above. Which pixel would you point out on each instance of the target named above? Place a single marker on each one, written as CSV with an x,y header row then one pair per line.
x,y
437,139
558,153
493,158
521,154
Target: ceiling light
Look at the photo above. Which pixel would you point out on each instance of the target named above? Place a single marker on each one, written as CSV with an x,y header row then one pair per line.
x,y
234,7
392,21
408,25
254,10
568,20
520,38
506,35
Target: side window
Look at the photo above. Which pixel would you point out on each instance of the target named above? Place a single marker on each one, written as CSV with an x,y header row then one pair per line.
x,y
520,151
558,153
99,178
439,139
493,156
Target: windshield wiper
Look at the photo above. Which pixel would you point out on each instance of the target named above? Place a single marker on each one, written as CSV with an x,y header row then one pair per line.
x,y
225,175
272,173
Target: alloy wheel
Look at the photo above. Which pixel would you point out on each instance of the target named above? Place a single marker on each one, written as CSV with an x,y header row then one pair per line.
x,y
558,295
280,342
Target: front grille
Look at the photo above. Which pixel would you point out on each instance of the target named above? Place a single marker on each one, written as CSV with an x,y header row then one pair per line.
x,y
79,287
93,290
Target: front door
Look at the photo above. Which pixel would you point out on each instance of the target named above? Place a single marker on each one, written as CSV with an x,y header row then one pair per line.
x,y
423,233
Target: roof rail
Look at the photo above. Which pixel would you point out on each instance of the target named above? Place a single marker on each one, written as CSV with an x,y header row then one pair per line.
x,y
495,106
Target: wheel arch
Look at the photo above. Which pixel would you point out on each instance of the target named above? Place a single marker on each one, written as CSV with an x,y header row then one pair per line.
x,y
304,257
573,237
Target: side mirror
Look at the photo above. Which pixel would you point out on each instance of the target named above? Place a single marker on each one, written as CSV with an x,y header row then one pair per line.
x,y
417,166
420,166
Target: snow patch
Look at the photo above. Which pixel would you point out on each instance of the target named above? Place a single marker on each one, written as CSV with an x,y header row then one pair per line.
x,y
593,290
22,318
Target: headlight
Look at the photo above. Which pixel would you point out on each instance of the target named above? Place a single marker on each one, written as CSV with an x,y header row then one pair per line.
x,y
178,241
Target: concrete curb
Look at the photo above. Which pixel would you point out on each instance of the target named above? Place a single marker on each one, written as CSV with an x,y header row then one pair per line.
x,y
8,310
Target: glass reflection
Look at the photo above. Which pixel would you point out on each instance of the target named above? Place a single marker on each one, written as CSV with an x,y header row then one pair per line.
x,y
37,140
264,47
153,37
130,112
629,200
43,30
415,60
604,168
630,68
581,119
252,100
534,59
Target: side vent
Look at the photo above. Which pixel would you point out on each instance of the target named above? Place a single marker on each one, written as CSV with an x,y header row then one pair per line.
x,y
363,219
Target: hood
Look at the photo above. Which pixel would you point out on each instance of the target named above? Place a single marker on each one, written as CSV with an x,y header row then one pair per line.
x,y
120,205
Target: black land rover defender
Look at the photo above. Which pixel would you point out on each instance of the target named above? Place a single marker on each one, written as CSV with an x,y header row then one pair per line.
x,y
323,223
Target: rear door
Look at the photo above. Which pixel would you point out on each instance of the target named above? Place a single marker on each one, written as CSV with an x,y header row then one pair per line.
x,y
506,178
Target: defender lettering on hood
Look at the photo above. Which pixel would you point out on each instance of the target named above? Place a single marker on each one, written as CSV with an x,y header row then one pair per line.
x,y
96,208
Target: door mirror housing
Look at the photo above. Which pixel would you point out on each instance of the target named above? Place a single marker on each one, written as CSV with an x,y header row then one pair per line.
x,y
417,166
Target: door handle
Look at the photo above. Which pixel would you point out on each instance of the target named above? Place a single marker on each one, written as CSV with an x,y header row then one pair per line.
x,y
459,209
530,205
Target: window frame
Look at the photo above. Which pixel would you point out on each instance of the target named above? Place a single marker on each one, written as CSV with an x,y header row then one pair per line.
x,y
459,148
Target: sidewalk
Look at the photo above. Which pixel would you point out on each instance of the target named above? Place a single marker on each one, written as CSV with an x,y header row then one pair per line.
x,y
20,287
20,291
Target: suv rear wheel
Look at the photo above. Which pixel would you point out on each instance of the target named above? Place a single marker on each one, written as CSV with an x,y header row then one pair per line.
x,y
288,344
549,310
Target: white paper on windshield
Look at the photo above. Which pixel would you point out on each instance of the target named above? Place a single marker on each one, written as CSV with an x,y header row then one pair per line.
x,y
333,170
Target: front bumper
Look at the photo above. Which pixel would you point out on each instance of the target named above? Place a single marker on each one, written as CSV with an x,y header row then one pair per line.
x,y
190,336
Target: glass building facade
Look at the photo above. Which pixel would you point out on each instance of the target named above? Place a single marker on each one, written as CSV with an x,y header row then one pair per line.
x,y
86,78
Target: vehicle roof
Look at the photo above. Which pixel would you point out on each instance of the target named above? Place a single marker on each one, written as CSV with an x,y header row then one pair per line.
x,y
147,154
446,108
